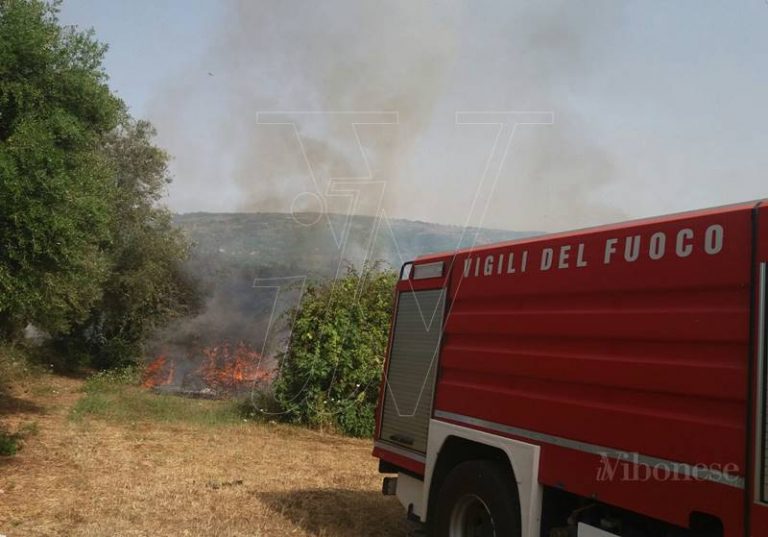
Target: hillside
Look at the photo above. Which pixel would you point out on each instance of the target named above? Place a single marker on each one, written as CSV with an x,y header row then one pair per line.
x,y
282,244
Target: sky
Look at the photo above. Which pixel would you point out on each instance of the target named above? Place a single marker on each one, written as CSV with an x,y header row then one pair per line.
x,y
525,115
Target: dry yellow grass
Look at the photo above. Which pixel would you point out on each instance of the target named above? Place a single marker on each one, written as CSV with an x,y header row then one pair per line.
x,y
91,477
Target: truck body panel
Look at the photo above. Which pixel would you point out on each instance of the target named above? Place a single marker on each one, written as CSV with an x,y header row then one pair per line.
x,y
630,344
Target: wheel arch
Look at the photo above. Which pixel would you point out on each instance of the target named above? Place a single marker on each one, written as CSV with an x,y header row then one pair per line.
x,y
456,450
450,445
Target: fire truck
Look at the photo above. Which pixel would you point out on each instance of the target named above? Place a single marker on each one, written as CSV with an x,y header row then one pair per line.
x,y
606,381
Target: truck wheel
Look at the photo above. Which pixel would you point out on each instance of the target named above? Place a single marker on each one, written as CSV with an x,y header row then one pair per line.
x,y
477,499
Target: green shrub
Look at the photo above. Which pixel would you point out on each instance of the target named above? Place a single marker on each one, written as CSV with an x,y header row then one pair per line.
x,y
56,187
10,443
329,376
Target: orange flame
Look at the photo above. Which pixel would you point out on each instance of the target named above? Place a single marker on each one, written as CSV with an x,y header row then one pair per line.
x,y
229,368
158,373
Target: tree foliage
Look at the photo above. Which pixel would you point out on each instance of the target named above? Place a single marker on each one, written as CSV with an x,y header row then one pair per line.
x,y
330,374
55,107
86,252
146,286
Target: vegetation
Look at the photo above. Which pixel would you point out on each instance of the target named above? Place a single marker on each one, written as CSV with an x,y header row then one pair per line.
x,y
275,244
128,461
10,443
16,369
16,365
146,286
329,377
104,475
88,255
55,107
116,396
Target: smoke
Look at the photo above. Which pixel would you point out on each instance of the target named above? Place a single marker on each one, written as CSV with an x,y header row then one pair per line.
x,y
555,173
349,108
336,57
236,313
400,71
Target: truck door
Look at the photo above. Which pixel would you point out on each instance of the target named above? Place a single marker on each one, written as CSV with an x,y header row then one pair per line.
x,y
413,361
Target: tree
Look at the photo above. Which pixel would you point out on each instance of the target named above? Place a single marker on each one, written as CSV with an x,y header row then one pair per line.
x,y
56,193
147,285
330,374
87,253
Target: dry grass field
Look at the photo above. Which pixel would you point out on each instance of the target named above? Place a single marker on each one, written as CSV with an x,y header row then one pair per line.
x,y
88,471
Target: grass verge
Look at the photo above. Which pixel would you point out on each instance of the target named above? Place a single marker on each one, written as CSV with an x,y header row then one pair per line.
x,y
117,397
139,463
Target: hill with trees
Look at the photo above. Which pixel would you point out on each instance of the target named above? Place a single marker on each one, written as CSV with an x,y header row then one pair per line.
x,y
279,244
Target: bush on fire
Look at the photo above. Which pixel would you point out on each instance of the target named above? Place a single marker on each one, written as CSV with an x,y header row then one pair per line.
x,y
329,376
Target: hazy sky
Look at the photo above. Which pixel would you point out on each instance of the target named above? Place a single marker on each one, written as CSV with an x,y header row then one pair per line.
x,y
648,107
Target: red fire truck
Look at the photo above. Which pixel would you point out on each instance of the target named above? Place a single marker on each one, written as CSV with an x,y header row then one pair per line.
x,y
608,381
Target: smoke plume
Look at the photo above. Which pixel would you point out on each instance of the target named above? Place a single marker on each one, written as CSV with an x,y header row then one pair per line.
x,y
265,121
350,108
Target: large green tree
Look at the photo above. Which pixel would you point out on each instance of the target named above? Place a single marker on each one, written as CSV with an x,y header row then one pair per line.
x,y
87,253
147,285
330,374
55,188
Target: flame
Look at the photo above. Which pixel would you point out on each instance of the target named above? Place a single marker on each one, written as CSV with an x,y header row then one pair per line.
x,y
226,367
158,373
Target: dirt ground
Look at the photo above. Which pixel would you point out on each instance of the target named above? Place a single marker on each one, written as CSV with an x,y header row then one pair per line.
x,y
91,477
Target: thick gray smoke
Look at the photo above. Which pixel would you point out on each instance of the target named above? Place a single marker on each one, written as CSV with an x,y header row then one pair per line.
x,y
421,61
351,108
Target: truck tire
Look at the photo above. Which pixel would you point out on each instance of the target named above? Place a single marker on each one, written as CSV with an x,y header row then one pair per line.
x,y
477,499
